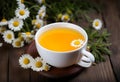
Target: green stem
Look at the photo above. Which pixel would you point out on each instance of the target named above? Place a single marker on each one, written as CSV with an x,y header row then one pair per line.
x,y
34,6
23,30
26,2
27,27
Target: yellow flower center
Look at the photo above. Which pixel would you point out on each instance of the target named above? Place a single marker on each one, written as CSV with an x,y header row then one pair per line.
x,y
66,17
3,20
16,23
38,25
96,23
43,1
26,61
69,11
21,38
59,16
28,33
46,68
17,43
33,21
40,15
2,29
9,36
38,64
22,12
22,1
77,42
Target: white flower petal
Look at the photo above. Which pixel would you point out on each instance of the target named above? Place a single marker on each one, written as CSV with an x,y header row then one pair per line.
x,y
77,45
3,23
28,37
8,36
35,68
17,43
97,24
20,2
65,18
16,27
42,12
2,30
40,1
26,61
46,67
38,24
22,13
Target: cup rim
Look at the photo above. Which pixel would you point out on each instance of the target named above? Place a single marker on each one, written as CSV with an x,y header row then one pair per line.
x,y
49,25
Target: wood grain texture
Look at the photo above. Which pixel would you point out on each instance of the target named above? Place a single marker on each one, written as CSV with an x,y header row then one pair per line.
x,y
109,71
16,72
101,73
112,19
3,63
54,73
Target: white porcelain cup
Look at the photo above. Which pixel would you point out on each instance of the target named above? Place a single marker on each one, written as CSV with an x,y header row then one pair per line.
x,y
64,59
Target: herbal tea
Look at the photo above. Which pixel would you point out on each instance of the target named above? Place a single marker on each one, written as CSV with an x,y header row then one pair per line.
x,y
61,39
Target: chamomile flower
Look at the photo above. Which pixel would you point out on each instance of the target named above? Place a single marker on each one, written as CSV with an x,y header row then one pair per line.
x,y
17,43
26,61
15,24
38,64
28,34
1,44
34,21
20,2
40,1
21,5
8,36
22,13
28,37
2,29
59,16
77,43
42,12
97,24
20,36
3,22
38,23
88,48
65,18
46,67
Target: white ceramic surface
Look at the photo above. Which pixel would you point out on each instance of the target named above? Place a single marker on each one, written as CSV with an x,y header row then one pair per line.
x,y
64,59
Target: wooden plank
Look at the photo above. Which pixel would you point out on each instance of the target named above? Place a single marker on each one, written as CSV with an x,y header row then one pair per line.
x,y
111,15
16,73
118,6
34,76
102,72
3,62
54,73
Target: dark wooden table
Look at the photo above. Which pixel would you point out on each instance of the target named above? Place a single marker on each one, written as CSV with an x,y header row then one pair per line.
x,y
109,71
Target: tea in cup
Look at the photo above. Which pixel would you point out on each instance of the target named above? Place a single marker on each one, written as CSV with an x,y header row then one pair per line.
x,y
63,44
60,39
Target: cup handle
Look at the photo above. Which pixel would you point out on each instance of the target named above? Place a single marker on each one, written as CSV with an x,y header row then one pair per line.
x,y
87,59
